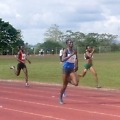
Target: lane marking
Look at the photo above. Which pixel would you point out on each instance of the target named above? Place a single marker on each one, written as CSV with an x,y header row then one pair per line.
x,y
59,85
117,106
1,106
30,113
106,99
92,112
63,107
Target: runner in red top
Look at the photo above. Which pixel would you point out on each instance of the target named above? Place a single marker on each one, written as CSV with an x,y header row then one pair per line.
x,y
22,57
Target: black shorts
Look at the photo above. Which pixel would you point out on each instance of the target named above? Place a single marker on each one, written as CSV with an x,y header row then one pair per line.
x,y
21,66
67,70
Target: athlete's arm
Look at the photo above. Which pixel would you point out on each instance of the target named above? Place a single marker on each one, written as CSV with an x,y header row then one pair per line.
x,y
90,54
76,65
93,49
64,57
28,60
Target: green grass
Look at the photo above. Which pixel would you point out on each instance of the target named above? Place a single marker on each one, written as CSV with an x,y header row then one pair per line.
x,y
48,69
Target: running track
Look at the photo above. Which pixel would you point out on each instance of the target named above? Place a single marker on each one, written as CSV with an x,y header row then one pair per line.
x,y
40,102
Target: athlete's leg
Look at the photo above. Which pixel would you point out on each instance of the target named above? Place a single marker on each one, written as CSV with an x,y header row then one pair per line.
x,y
83,73
64,86
16,71
60,58
74,78
26,75
95,75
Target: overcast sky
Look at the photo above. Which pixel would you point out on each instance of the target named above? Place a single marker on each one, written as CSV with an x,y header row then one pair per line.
x,y
34,17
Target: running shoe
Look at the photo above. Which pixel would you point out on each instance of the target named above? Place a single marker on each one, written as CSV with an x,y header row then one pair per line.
x,y
12,67
61,101
64,94
98,86
26,85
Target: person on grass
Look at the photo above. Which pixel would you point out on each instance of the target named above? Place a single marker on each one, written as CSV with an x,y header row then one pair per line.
x,y
70,66
60,54
88,55
21,58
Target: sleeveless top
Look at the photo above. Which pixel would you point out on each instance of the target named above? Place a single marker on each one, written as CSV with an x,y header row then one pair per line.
x,y
70,62
87,57
22,56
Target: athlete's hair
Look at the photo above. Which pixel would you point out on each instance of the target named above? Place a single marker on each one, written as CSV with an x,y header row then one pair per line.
x,y
20,46
68,40
88,46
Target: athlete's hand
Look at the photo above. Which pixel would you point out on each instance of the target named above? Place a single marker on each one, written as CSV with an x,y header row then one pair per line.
x,y
93,49
76,69
21,61
75,52
29,62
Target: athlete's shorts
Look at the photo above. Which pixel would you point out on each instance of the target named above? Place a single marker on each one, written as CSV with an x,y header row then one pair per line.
x,y
67,70
21,66
87,66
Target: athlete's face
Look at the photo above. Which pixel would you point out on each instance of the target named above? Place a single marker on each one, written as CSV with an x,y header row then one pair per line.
x,y
22,48
70,43
89,49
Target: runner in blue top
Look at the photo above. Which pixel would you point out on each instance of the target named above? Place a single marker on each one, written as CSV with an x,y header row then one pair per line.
x,y
70,66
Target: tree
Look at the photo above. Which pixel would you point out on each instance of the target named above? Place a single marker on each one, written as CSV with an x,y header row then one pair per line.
x,y
53,34
49,46
80,39
106,39
9,37
91,39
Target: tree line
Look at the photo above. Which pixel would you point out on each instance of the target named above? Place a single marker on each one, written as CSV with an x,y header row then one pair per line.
x,y
10,37
54,39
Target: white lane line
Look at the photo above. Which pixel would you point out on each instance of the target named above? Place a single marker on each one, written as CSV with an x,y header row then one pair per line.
x,y
102,98
1,106
34,114
59,86
117,106
52,96
63,107
81,101
108,90
54,89
92,92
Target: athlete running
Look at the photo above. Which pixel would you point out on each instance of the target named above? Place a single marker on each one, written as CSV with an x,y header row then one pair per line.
x,y
22,57
88,55
70,66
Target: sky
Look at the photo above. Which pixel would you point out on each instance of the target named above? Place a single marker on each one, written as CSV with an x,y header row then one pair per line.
x,y
35,17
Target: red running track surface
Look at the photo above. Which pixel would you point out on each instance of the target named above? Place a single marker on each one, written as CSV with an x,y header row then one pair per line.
x,y
40,102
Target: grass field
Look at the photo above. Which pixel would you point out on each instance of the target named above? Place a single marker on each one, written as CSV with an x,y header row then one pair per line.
x,y
48,69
